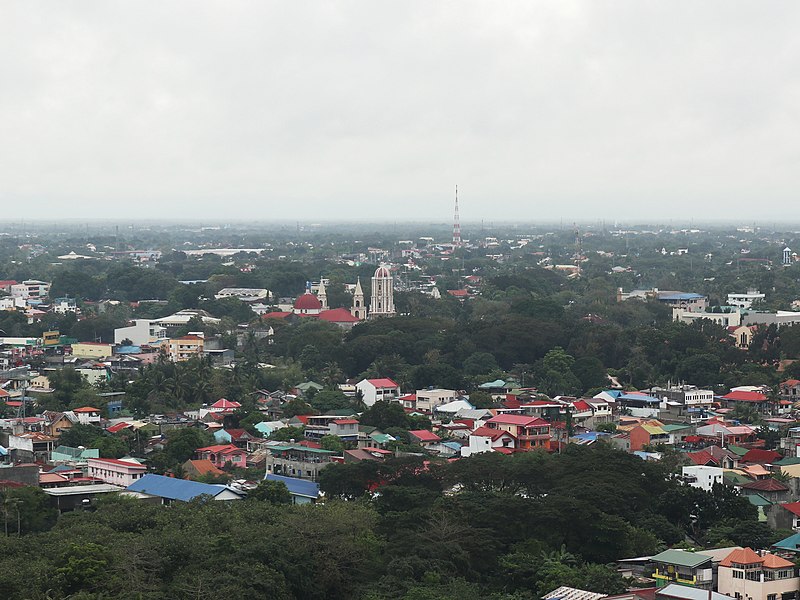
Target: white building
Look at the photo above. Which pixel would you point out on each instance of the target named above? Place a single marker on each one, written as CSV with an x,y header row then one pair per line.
x,y
31,289
427,400
373,390
726,319
745,300
63,306
244,294
382,304
115,472
484,439
702,477
143,332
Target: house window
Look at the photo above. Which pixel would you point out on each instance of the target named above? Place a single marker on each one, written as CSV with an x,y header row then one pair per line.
x,y
738,574
772,596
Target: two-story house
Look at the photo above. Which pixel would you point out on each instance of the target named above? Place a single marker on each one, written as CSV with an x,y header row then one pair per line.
x,y
530,432
687,568
223,454
374,390
294,460
750,575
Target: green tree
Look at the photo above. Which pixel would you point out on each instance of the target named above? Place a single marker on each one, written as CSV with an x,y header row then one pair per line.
x,y
273,492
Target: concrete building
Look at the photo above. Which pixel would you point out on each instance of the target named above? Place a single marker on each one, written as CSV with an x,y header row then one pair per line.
x,y
92,350
746,300
115,472
750,575
143,332
374,390
31,289
186,347
427,400
702,477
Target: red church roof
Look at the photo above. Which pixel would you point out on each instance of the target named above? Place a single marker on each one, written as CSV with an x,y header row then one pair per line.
x,y
338,315
307,301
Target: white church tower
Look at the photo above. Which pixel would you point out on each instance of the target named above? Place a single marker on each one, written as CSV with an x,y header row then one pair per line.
x,y
359,310
382,304
322,295
787,256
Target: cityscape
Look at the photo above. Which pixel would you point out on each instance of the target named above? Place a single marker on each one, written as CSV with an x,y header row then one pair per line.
x,y
399,300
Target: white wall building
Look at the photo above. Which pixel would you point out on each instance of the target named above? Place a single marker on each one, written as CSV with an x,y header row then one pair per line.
x,y
142,332
702,477
745,300
374,390
30,289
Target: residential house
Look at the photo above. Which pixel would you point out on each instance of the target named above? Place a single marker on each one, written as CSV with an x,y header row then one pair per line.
x,y
115,472
374,390
750,575
294,460
485,439
647,433
194,469
185,347
302,491
530,432
790,390
58,422
748,398
318,426
423,437
88,415
677,591
702,477
224,406
237,437
222,455
686,568
784,516
771,489
428,400
165,490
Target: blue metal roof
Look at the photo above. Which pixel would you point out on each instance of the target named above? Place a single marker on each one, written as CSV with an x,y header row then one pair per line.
x,y
790,543
297,487
174,489
686,296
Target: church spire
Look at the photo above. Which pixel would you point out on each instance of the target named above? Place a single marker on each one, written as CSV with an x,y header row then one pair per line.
x,y
359,311
322,294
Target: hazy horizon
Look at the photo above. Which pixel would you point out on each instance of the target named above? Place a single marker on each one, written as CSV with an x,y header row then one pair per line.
x,y
371,112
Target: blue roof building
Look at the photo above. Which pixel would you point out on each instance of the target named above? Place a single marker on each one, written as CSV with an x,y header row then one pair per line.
x,y
302,490
169,489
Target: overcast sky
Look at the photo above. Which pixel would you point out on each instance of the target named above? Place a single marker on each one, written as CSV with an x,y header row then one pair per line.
x,y
375,110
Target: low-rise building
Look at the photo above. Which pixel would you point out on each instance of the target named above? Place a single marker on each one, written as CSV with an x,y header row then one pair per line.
x,y
294,460
749,575
115,472
530,432
703,477
686,568
375,390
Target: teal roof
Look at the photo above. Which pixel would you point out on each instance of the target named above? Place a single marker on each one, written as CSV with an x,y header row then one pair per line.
x,y
739,451
675,427
682,558
497,383
298,447
382,438
790,543
759,500
735,478
789,460
308,384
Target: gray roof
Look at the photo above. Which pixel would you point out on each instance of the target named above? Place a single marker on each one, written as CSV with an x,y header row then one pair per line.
x,y
682,558
684,592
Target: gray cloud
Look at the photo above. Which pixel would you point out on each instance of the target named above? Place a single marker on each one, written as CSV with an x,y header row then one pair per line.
x,y
373,109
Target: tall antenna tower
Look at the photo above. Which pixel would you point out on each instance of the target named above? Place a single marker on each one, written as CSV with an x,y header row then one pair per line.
x,y
456,225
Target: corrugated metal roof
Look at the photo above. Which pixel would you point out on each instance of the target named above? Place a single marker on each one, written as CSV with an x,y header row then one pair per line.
x,y
297,487
174,489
